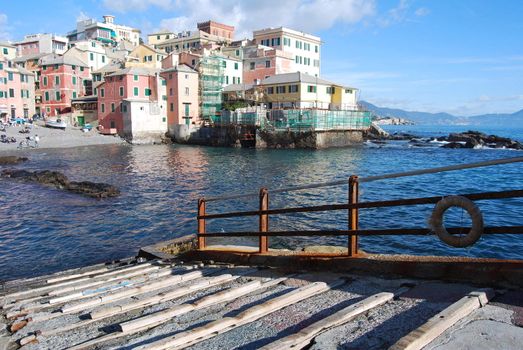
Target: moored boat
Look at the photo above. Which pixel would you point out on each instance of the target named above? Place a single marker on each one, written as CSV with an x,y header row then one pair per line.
x,y
56,124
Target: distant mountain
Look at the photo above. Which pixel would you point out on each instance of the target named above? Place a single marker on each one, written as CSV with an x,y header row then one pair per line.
x,y
501,119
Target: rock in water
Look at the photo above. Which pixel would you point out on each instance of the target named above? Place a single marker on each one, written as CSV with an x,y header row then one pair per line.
x,y
60,181
10,160
93,189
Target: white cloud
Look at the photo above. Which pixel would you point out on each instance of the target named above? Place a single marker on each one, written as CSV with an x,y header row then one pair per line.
x,y
4,27
309,16
422,11
137,5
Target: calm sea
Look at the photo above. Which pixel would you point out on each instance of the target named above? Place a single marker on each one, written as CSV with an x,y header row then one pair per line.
x,y
44,230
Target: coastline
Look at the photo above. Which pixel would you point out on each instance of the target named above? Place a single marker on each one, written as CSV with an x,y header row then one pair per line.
x,y
56,138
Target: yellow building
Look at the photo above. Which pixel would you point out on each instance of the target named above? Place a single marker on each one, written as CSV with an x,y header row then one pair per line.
x,y
145,56
159,37
300,90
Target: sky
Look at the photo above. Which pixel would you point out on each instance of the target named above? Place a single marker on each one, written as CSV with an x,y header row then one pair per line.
x,y
462,57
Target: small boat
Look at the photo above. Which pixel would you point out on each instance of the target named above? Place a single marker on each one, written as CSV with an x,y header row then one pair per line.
x,y
57,124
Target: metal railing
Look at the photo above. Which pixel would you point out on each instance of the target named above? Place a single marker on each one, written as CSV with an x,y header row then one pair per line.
x,y
352,207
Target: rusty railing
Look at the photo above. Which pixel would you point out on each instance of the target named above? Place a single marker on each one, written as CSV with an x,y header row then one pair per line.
x,y
352,206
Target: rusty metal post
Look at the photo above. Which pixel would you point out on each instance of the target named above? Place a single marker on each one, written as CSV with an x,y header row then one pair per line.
x,y
264,220
353,214
201,223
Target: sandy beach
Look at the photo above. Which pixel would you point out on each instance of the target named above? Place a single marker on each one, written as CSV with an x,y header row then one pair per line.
x,y
56,138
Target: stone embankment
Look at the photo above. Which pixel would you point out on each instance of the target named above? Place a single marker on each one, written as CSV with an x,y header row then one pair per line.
x,y
60,181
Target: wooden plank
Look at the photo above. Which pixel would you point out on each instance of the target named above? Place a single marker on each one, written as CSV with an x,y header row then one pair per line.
x,y
305,336
226,324
435,326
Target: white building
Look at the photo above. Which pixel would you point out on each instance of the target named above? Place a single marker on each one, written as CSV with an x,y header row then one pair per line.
x,y
8,50
305,48
92,52
232,71
42,43
106,31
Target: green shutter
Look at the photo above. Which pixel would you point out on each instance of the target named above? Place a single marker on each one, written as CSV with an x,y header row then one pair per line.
x,y
136,91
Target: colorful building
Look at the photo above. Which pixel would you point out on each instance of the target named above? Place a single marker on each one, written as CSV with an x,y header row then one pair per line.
x,y
260,62
62,79
159,37
106,31
183,113
7,50
132,103
300,90
207,33
17,90
304,48
145,56
42,43
92,52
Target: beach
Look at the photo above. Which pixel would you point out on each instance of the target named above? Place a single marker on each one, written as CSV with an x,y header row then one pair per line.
x,y
56,138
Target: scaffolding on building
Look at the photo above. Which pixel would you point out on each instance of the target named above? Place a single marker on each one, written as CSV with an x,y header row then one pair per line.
x,y
299,119
211,78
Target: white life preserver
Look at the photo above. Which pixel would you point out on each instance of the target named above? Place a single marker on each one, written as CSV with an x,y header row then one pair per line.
x,y
436,221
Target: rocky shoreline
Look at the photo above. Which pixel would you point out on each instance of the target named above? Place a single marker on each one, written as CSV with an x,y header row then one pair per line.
x,y
56,180
468,139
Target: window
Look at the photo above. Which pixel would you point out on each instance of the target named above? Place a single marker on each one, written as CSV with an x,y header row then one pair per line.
x,y
57,96
135,77
81,69
278,42
102,108
112,107
270,90
252,65
311,88
164,97
170,76
316,48
11,92
74,80
102,92
44,67
5,51
73,66
1,66
45,81
237,52
123,107
147,92
224,64
47,95
91,56
103,59
136,92
227,79
297,59
187,109
186,91
267,64
280,89
55,66
121,90
10,76
150,57
157,37
74,94
330,90
57,80
239,82
293,88
164,82
186,76
170,91
236,65
348,91
171,107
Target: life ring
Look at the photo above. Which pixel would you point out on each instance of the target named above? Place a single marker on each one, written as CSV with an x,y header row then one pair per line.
x,y
436,221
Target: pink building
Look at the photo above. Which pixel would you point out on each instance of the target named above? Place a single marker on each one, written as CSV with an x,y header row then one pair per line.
x,y
132,103
61,80
260,63
182,98
42,43
17,91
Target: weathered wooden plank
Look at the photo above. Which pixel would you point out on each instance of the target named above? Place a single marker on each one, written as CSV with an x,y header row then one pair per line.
x,y
304,337
435,326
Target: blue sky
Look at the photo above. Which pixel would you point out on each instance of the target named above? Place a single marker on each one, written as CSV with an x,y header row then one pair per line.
x,y
463,57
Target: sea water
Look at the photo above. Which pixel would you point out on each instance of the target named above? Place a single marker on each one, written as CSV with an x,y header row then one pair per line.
x,y
43,230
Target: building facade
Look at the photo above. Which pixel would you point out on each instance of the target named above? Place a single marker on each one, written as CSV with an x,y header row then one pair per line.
x,y
145,56
106,31
62,79
7,50
300,90
91,52
17,91
132,103
159,37
304,48
183,113
42,43
260,62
